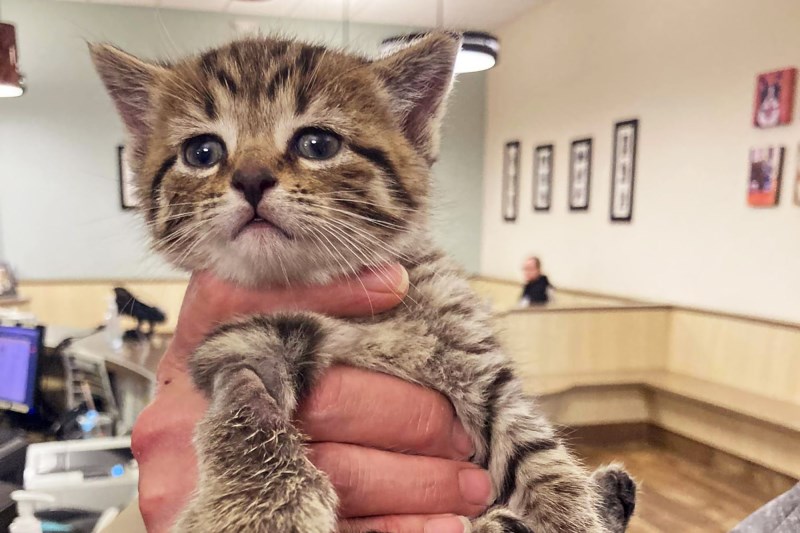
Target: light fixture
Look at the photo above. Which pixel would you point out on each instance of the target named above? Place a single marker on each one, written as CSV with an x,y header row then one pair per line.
x,y
10,79
478,52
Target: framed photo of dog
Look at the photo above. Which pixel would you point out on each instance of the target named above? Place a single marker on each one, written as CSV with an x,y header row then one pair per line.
x,y
542,177
580,174
623,170
510,192
774,99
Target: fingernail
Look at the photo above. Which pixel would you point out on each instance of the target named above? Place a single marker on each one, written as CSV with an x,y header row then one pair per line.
x,y
391,279
451,524
475,485
462,442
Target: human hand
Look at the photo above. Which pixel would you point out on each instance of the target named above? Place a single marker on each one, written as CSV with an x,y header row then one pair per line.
x,y
392,449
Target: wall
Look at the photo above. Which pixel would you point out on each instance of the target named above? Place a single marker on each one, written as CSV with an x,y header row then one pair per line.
x,y
59,207
686,69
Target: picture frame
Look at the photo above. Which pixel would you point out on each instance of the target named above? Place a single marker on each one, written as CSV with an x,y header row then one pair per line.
x,y
8,283
796,194
774,98
623,170
127,190
542,177
510,192
764,178
580,174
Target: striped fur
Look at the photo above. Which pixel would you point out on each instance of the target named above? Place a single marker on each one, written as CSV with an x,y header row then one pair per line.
x,y
362,207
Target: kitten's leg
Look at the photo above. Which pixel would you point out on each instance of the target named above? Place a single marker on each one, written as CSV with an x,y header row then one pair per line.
x,y
254,474
539,486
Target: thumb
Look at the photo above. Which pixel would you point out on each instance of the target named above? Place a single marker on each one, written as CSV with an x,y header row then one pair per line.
x,y
210,301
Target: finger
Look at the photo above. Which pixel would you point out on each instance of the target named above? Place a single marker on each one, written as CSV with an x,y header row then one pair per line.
x,y
355,406
161,442
210,301
374,482
406,524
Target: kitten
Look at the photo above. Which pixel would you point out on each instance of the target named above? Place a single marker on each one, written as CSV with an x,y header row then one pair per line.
x,y
274,162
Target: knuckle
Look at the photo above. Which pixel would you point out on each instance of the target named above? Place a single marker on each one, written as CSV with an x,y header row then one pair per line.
x,y
433,418
320,406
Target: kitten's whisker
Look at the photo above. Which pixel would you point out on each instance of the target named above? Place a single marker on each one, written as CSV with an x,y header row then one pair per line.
x,y
367,261
381,223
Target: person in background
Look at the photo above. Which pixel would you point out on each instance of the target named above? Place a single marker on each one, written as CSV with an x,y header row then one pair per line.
x,y
536,283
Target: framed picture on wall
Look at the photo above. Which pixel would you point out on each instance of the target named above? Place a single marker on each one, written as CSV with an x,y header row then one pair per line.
x,y
542,177
127,195
796,194
623,170
510,199
8,283
580,174
764,184
774,98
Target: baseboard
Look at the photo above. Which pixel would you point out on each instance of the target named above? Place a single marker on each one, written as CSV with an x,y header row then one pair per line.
x,y
618,433
758,478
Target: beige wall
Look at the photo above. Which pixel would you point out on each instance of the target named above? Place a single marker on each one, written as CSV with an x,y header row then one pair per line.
x,y
686,69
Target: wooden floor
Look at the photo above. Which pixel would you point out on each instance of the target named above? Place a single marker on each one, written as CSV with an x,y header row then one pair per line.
x,y
678,495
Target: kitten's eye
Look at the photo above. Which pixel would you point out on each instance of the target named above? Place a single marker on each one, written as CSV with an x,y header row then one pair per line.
x,y
203,151
317,144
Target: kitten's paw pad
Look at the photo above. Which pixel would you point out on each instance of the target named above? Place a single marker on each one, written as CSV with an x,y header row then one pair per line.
x,y
618,492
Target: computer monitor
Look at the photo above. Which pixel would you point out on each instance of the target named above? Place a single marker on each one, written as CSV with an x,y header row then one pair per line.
x,y
19,355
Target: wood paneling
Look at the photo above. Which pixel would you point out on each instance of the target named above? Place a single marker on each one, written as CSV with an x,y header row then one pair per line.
x,y
545,344
760,429
762,443
755,356
82,304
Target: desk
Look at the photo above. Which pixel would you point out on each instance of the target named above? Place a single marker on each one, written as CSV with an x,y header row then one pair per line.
x,y
130,370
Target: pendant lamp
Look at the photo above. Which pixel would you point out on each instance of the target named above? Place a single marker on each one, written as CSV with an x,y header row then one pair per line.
x,y
478,52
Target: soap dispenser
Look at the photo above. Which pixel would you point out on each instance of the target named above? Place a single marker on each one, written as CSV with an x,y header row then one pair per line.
x,y
26,500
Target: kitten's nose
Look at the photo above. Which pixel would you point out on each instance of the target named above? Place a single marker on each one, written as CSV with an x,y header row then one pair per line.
x,y
253,183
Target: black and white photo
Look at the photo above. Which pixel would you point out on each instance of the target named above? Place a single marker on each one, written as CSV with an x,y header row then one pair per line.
x,y
623,170
510,200
542,177
127,194
580,174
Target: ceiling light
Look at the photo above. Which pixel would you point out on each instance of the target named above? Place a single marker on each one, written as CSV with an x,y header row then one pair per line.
x,y
478,50
10,79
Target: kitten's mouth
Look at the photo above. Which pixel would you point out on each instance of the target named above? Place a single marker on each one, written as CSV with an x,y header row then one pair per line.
x,y
260,224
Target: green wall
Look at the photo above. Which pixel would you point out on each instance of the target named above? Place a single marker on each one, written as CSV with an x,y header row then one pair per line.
x,y
59,207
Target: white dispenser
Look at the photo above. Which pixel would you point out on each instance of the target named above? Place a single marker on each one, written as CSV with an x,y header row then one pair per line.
x,y
26,500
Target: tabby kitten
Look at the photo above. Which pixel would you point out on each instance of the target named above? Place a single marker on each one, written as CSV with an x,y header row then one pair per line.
x,y
273,162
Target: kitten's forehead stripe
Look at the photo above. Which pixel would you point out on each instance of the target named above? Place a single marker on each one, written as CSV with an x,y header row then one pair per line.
x,y
227,82
158,178
209,106
277,81
393,182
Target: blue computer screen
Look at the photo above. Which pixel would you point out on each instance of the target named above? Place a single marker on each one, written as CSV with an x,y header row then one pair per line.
x,y
19,351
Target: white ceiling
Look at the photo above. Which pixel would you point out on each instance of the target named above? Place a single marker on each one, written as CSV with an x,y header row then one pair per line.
x,y
461,14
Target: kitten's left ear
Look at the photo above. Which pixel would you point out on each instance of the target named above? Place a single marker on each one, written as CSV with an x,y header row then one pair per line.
x,y
419,78
129,81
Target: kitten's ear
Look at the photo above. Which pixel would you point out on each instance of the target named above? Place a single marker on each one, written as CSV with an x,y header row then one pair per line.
x,y
129,81
419,78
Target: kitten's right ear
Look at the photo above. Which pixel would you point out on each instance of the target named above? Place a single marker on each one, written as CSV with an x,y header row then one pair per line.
x,y
129,81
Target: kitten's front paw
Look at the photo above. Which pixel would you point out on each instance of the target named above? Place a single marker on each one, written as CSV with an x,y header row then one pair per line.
x,y
618,496
254,473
